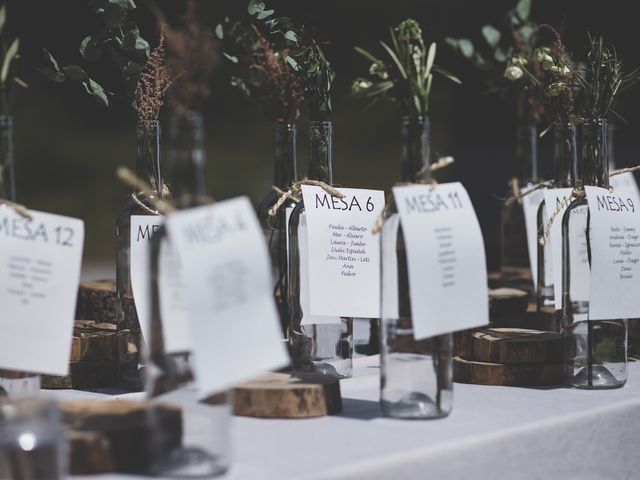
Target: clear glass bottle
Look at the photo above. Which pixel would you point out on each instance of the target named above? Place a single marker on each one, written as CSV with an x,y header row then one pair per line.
x,y
202,447
148,169
565,161
596,350
513,235
324,348
13,383
416,377
285,173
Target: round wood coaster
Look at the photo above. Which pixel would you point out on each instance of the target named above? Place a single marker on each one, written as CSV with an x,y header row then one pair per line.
x,y
517,345
512,375
506,301
288,395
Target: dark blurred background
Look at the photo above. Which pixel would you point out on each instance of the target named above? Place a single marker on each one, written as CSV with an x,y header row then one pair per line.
x,y
68,147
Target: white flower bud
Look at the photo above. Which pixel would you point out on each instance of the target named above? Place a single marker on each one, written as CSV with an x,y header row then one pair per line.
x,y
513,73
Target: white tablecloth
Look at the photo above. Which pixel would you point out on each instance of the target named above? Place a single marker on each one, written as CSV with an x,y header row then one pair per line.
x,y
492,433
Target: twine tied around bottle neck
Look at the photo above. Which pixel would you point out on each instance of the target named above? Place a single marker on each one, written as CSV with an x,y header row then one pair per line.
x,y
442,162
577,192
128,177
18,208
295,193
518,194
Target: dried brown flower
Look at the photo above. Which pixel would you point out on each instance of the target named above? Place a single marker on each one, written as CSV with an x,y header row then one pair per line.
x,y
283,89
153,84
192,55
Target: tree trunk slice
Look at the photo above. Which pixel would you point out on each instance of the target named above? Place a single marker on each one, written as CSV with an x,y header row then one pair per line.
x,y
97,301
89,453
517,345
506,301
84,375
511,375
288,395
126,425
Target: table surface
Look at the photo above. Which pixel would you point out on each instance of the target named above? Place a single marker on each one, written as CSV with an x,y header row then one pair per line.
x,y
492,432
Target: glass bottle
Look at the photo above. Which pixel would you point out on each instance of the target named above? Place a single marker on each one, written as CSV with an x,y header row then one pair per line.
x,y
320,347
565,161
285,173
513,238
200,447
147,169
13,383
596,350
416,377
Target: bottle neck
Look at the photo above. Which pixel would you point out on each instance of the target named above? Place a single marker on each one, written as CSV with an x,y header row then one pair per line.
x,y
527,153
565,156
148,156
285,167
321,151
595,153
7,180
416,148
186,159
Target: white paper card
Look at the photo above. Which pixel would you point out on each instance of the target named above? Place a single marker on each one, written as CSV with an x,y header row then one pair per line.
x,y
626,181
174,309
344,254
308,318
389,241
531,204
40,261
236,330
554,199
615,253
446,258
142,229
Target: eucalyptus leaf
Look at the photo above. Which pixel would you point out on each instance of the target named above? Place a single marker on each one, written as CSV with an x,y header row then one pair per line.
x,y
51,69
500,55
132,69
265,14
11,52
95,89
291,36
292,62
134,44
491,35
232,58
90,49
74,72
255,7
526,32
523,9
465,47
219,31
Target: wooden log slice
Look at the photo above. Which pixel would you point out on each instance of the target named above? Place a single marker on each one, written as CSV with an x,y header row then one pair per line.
x,y
84,375
507,301
89,453
288,395
517,345
97,301
512,375
126,425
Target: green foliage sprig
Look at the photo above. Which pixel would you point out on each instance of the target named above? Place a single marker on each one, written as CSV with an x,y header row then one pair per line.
x,y
120,40
9,50
554,87
406,74
518,38
602,80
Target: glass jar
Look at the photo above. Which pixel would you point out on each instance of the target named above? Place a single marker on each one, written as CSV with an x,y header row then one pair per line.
x,y
319,347
565,161
147,169
416,376
596,349
275,227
